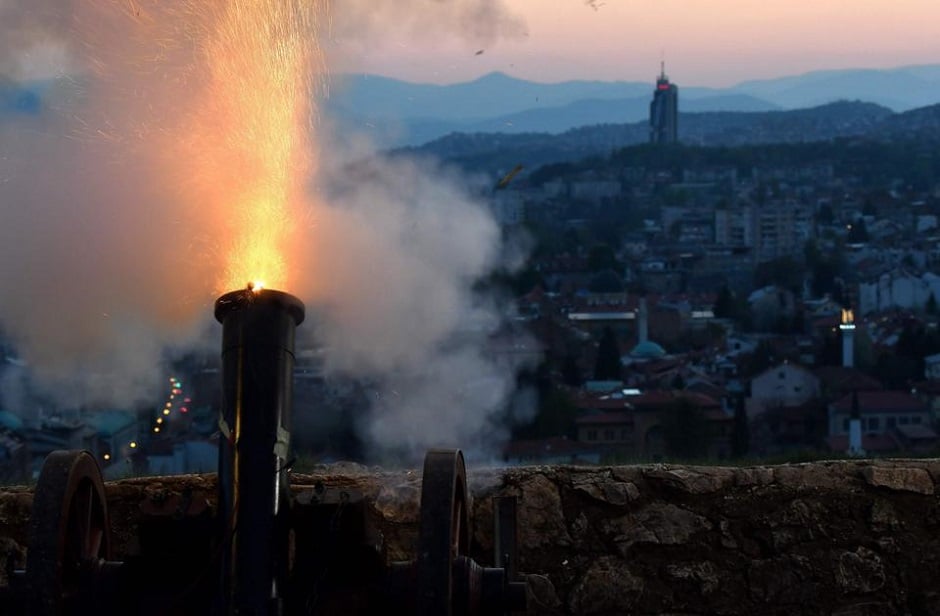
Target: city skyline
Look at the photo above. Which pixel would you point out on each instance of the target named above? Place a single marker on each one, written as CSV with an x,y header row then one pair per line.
x,y
716,44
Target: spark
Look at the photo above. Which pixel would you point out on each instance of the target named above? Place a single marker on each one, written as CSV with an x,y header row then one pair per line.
x,y
252,137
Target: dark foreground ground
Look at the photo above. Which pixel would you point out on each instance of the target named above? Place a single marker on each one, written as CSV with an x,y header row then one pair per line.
x,y
847,537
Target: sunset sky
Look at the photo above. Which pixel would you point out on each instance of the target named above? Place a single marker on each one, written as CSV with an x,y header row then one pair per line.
x,y
704,42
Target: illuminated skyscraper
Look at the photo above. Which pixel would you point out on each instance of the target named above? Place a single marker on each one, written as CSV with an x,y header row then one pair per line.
x,y
664,111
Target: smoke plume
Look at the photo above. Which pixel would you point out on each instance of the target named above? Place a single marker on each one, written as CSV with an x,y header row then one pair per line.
x,y
392,273
477,22
118,194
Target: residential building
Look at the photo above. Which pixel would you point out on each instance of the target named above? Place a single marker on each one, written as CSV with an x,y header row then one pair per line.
x,y
784,385
891,421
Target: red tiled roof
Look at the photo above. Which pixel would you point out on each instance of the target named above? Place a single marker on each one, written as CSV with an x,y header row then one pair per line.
x,y
603,403
884,401
613,417
843,379
927,387
717,415
655,398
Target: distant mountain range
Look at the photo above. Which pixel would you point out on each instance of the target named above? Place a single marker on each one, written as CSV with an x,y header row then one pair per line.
x,y
398,113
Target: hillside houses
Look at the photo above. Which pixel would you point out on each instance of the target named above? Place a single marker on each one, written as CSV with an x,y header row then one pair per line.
x,y
793,247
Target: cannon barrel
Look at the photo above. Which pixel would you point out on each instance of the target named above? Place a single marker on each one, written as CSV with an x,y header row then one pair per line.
x,y
257,372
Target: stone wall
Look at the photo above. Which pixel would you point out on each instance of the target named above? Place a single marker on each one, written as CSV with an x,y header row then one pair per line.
x,y
846,538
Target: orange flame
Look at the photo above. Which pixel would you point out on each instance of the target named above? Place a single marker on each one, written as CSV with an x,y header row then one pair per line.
x,y
251,137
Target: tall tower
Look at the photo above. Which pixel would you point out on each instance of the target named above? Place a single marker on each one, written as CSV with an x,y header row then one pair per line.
x,y
664,110
847,326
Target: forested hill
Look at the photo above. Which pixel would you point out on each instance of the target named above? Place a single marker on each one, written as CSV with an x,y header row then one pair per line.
x,y
837,120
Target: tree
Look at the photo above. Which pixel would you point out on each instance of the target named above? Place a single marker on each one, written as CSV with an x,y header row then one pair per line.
x,y
858,232
607,366
740,431
931,306
602,257
783,271
571,371
555,417
685,429
678,382
725,307
761,358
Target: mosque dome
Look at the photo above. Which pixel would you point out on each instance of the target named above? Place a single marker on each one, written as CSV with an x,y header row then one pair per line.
x,y
647,350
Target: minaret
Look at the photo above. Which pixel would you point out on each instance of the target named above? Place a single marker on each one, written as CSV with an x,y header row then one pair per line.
x,y
855,428
847,326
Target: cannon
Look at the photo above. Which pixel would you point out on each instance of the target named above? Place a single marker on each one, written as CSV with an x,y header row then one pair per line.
x,y
265,550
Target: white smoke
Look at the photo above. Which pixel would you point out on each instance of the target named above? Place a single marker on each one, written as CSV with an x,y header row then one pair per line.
x,y
399,246
360,23
108,262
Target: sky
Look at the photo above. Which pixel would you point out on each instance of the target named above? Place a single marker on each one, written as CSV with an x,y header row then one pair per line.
x,y
714,43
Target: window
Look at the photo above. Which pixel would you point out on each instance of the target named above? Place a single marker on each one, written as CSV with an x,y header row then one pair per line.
x,y
916,419
904,420
592,435
845,425
625,434
890,422
873,423
608,434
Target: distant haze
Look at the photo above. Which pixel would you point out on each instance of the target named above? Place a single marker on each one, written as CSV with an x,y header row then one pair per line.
x,y
716,43
397,113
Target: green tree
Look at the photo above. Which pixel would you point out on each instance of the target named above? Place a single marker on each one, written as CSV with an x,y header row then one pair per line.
x,y
678,382
740,431
761,358
685,430
602,257
858,232
784,272
725,305
931,305
607,366
571,371
555,417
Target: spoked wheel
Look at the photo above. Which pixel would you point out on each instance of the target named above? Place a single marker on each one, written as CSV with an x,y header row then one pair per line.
x,y
445,531
69,536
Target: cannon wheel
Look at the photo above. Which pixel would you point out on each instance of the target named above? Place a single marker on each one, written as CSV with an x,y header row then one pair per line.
x,y
69,535
445,530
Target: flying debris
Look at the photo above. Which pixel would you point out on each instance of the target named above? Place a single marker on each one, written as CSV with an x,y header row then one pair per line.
x,y
480,52
504,182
